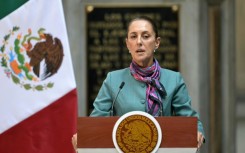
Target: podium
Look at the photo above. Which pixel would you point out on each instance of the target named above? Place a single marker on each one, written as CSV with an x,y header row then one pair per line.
x,y
179,134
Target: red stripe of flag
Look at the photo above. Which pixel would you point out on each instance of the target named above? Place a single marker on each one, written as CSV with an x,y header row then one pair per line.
x,y
47,131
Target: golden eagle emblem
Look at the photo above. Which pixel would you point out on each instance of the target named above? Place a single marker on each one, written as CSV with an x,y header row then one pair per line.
x,y
51,51
31,57
137,132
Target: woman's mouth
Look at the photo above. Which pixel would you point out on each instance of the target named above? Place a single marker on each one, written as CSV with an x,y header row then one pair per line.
x,y
140,51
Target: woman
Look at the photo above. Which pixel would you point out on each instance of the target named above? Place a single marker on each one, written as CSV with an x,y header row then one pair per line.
x,y
148,87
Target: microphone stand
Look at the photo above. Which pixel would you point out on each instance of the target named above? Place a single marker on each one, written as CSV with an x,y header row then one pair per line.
x,y
112,106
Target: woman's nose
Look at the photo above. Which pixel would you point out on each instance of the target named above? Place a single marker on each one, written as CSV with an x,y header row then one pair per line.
x,y
139,40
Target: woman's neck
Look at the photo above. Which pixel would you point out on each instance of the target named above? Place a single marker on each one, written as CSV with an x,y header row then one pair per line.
x,y
145,64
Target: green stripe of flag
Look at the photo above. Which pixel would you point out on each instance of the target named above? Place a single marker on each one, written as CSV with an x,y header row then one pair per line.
x,y
8,6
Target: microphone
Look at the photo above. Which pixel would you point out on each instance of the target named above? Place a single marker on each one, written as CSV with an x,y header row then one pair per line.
x,y
112,106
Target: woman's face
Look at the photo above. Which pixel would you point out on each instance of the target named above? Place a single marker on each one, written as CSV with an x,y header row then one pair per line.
x,y
141,42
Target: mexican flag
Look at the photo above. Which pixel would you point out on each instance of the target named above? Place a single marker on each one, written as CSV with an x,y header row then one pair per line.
x,y
38,97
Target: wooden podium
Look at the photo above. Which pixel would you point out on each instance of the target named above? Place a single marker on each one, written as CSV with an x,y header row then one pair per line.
x,y
179,134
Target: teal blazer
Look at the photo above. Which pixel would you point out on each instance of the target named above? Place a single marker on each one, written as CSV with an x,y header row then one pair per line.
x,y
132,97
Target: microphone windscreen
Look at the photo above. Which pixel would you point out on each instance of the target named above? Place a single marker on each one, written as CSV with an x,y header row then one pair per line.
x,y
122,84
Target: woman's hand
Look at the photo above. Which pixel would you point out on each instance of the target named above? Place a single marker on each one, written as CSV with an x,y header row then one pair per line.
x,y
200,140
74,141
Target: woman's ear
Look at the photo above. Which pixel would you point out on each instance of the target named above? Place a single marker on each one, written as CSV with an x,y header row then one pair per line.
x,y
157,42
126,41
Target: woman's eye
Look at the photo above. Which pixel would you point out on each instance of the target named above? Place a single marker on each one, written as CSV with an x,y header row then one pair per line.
x,y
145,36
133,37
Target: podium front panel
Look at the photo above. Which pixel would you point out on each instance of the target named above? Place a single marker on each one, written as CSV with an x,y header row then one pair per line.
x,y
177,132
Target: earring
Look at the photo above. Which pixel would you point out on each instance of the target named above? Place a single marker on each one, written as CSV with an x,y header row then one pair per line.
x,y
155,49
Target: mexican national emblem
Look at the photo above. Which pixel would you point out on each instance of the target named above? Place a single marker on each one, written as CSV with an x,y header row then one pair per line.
x,y
31,58
137,132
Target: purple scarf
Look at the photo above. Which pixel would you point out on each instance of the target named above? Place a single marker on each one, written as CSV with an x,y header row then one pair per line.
x,y
150,76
